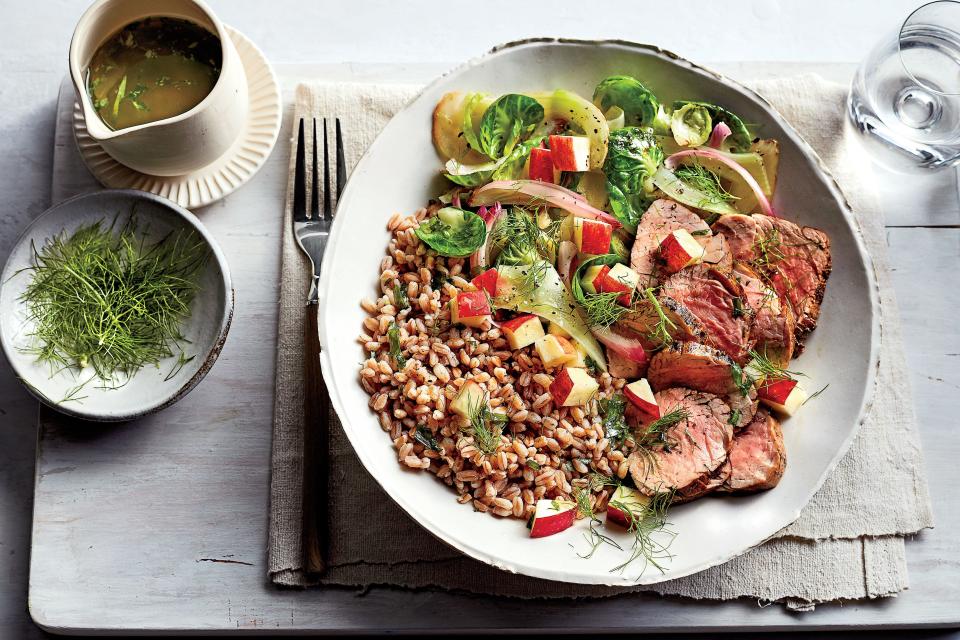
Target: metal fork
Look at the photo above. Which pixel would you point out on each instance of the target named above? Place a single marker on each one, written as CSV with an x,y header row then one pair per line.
x,y
312,232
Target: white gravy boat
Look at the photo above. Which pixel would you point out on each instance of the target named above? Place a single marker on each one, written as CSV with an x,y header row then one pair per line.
x,y
172,146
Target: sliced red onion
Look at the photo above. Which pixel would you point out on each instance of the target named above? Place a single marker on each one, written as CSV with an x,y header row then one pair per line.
x,y
490,216
765,207
531,192
566,252
718,135
629,348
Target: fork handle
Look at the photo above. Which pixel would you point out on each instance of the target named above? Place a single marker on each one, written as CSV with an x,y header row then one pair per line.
x,y
315,449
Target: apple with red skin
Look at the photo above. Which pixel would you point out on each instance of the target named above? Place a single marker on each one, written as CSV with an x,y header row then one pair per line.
x,y
470,308
640,394
555,350
679,250
487,281
625,504
573,387
522,331
552,516
570,153
782,394
541,166
592,236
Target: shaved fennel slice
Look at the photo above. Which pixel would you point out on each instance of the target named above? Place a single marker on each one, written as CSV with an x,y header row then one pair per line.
x,y
549,299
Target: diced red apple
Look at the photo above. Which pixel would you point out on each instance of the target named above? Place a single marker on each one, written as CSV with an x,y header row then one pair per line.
x,y
552,516
522,331
470,308
573,387
556,330
679,250
626,504
486,281
555,350
541,166
471,396
640,394
782,395
570,153
592,236
622,278
579,358
593,278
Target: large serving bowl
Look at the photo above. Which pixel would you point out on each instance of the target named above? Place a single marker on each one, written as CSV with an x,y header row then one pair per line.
x,y
152,388
399,174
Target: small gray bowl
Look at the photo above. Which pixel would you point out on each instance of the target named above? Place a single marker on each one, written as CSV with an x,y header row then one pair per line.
x,y
151,388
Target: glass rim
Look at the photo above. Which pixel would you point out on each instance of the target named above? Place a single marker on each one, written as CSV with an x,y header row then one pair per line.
x,y
903,26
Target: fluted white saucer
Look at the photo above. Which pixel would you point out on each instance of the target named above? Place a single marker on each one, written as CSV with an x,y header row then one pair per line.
x,y
224,176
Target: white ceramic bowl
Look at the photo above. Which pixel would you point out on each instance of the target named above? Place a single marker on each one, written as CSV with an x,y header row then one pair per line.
x,y
399,174
151,388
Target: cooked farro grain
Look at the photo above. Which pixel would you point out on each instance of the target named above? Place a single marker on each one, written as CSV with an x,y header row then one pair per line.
x,y
544,451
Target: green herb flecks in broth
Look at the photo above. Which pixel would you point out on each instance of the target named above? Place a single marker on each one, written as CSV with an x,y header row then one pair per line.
x,y
153,69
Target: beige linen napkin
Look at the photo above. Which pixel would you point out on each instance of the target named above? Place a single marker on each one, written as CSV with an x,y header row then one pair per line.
x,y
846,545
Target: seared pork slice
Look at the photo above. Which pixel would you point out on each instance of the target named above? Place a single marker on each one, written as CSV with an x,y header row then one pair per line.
x,y
643,319
741,233
696,445
707,483
620,367
795,260
772,323
692,365
742,407
661,219
717,253
722,324
757,455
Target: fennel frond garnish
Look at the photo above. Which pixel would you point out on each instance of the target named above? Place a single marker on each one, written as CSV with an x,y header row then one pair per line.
x,y
107,298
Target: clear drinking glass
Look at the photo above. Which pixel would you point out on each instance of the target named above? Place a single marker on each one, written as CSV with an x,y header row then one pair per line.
x,y
905,98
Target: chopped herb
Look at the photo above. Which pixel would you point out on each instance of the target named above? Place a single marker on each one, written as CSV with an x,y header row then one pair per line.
x,y
738,307
486,427
741,380
615,427
424,436
603,309
700,232
815,394
706,182
400,297
533,464
393,334
592,365
735,416
766,369
654,435
661,331
644,522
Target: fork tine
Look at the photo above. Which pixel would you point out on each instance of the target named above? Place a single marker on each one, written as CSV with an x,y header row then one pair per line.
x,y
314,171
327,209
341,163
300,180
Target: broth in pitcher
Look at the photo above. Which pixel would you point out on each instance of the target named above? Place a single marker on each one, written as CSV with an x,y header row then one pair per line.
x,y
153,69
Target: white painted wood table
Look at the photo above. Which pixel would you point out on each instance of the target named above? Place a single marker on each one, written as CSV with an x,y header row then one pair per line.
x,y
160,525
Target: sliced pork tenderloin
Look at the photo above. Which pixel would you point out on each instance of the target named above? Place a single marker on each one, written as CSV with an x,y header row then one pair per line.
x,y
757,456
795,260
696,445
662,218
722,323
694,366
